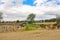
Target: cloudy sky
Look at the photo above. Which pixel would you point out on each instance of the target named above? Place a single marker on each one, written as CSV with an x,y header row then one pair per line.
x,y
20,9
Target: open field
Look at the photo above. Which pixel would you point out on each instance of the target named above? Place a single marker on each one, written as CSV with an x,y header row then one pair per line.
x,y
36,23
31,35
6,27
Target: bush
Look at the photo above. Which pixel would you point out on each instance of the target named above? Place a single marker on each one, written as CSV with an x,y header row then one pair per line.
x,y
31,26
42,25
28,27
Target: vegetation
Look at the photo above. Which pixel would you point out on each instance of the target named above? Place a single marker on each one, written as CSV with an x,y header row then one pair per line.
x,y
8,27
1,16
29,24
30,18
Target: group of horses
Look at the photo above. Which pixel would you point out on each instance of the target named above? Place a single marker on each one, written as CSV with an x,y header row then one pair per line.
x,y
51,26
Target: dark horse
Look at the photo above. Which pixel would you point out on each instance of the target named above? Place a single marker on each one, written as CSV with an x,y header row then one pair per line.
x,y
20,26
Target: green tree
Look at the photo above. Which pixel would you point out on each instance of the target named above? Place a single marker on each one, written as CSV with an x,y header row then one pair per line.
x,y
17,21
30,18
58,21
1,17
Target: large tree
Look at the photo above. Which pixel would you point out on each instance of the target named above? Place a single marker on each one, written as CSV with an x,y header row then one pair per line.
x,y
58,21
1,17
30,18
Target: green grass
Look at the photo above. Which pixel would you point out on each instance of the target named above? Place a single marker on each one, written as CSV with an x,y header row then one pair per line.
x,y
32,26
37,25
46,23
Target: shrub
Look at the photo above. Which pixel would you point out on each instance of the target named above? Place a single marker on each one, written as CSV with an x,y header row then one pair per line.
x,y
28,27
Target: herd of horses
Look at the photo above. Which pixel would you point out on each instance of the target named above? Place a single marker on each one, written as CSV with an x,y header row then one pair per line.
x,y
49,26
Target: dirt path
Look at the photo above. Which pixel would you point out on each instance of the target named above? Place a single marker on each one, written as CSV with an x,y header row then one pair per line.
x,y
32,35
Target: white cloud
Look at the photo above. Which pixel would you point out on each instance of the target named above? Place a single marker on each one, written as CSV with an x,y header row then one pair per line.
x,y
46,2
21,12
50,6
39,2
9,4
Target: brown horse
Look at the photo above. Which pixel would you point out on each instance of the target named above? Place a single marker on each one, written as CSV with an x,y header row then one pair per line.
x,y
51,26
20,26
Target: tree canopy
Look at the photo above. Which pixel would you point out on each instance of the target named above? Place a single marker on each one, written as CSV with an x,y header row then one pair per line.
x,y
30,18
1,16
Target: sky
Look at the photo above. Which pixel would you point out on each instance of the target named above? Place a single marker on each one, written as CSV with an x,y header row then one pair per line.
x,y
19,9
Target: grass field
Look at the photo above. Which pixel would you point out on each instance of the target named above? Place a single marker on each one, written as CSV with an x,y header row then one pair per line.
x,y
13,26
46,23
32,35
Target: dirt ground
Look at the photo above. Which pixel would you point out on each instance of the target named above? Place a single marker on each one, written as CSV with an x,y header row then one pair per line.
x,y
32,35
